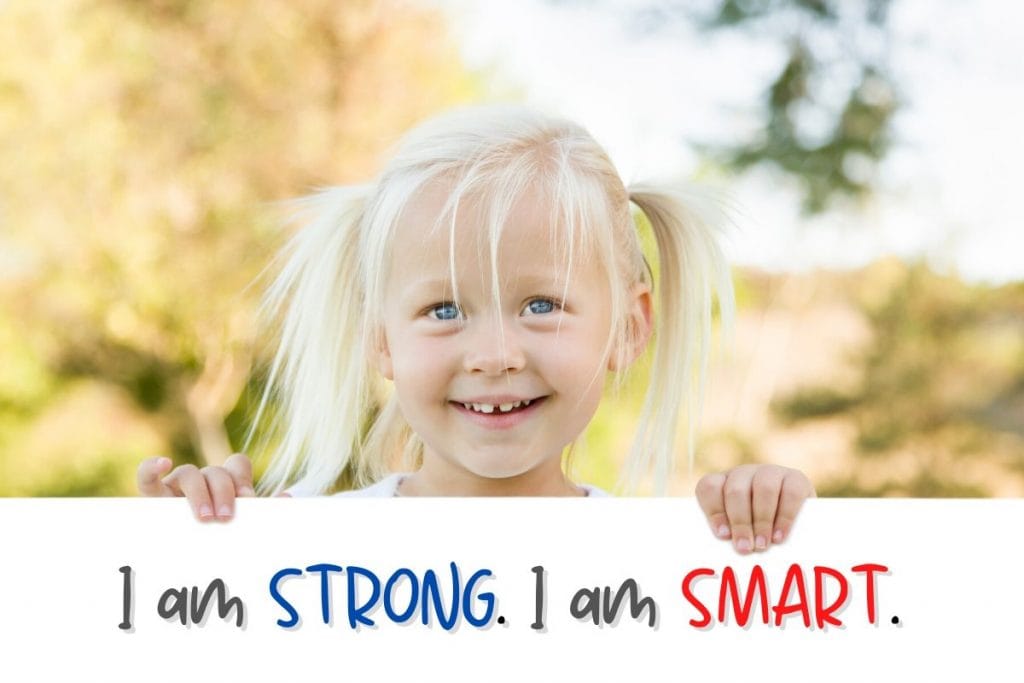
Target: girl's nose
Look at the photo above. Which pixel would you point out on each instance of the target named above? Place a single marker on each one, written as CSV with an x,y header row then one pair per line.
x,y
493,353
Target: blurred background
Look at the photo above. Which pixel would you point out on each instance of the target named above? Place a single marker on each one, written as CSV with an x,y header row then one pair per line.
x,y
869,152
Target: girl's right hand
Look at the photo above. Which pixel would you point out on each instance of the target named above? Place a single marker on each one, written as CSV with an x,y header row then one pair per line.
x,y
211,491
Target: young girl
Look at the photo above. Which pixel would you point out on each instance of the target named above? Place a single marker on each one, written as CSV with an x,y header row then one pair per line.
x,y
492,274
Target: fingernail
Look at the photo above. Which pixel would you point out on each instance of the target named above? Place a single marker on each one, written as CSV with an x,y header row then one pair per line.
x,y
246,491
723,531
163,462
760,543
224,511
777,538
743,545
205,511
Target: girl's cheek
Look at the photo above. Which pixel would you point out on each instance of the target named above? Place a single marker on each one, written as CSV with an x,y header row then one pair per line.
x,y
426,358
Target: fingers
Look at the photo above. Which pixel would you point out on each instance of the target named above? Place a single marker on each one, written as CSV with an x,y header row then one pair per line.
x,y
796,487
240,469
191,482
738,482
754,505
765,487
710,490
221,486
150,474
210,491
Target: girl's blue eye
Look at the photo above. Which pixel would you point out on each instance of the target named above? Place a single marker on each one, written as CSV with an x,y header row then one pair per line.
x,y
445,311
541,306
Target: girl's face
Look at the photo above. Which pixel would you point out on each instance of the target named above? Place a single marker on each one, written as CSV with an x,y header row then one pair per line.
x,y
464,373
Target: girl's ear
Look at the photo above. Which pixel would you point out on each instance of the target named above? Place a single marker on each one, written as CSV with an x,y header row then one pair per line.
x,y
382,357
639,325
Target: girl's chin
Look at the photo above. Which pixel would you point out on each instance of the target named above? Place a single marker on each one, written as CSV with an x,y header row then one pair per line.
x,y
503,474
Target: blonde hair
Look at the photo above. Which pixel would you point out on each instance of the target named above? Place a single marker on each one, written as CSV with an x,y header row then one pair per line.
x,y
335,417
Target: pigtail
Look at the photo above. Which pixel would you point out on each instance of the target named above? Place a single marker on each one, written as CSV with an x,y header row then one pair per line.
x,y
692,271
321,368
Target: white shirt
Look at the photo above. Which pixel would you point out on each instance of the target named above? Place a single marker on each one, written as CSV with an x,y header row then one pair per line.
x,y
388,488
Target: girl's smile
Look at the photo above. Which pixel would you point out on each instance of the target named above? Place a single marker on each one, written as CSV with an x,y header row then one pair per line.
x,y
499,412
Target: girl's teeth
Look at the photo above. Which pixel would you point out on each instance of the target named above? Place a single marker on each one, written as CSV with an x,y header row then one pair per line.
x,y
488,408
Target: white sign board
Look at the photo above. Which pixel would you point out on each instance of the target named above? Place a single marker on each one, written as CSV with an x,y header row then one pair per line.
x,y
507,590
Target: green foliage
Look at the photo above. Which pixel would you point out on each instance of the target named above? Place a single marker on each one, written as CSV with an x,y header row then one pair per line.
x,y
830,47
840,162
105,477
941,383
143,146
924,485
813,402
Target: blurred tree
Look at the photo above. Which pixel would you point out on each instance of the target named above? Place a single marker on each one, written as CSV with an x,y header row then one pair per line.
x,y
836,72
142,144
825,116
941,391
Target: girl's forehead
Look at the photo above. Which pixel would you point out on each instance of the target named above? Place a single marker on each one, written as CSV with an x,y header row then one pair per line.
x,y
431,210
531,239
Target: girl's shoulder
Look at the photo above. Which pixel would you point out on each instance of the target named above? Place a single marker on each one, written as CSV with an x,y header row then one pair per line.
x,y
388,488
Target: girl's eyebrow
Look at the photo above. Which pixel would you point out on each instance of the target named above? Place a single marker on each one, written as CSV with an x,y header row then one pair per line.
x,y
415,291
538,278
425,283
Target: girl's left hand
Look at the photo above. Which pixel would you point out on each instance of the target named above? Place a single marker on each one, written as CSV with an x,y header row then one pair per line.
x,y
754,505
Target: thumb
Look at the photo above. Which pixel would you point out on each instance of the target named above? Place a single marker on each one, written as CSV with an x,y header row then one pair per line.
x,y
149,477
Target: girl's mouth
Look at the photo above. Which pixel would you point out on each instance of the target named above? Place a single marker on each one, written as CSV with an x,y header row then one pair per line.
x,y
497,418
